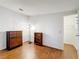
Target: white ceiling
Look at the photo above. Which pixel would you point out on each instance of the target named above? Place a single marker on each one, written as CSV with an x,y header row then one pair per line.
x,y
37,7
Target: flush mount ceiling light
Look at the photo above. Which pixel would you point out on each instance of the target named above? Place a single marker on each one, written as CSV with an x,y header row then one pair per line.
x,y
21,9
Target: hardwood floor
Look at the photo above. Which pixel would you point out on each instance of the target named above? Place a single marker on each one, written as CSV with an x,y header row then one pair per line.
x,y
70,52
31,51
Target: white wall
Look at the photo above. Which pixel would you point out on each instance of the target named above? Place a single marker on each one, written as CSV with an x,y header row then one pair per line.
x,y
70,29
52,27
78,36
11,21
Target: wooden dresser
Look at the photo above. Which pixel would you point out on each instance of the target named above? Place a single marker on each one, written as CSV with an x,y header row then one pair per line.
x,y
38,38
14,39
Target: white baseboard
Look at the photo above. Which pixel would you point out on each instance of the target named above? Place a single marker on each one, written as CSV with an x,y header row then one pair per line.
x,y
73,46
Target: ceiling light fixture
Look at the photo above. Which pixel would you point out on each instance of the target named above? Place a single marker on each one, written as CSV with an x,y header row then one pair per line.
x,y
21,9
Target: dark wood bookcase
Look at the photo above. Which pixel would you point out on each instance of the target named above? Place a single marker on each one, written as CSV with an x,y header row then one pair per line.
x,y
38,38
14,39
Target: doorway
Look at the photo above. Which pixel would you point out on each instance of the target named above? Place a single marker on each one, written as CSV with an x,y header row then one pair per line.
x,y
70,29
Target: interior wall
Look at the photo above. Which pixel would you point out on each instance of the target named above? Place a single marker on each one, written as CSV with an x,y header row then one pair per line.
x,y
11,21
70,29
78,35
52,27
